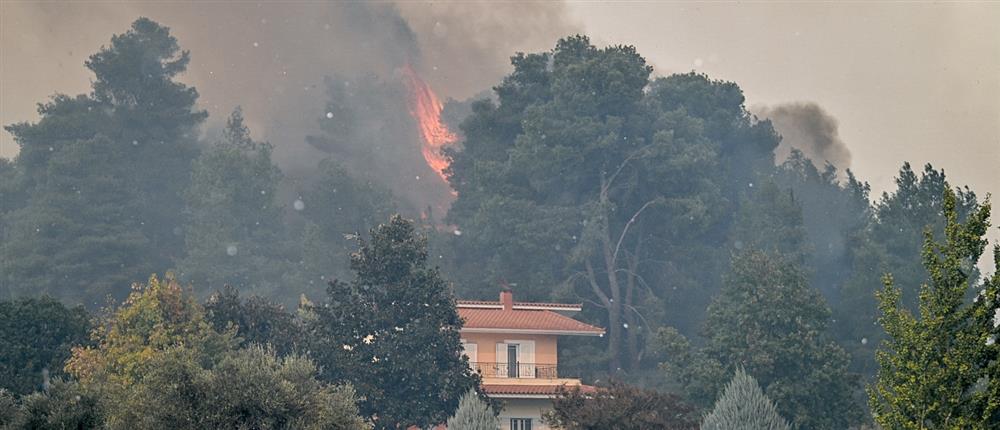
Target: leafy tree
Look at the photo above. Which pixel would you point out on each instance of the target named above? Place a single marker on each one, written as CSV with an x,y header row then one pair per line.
x,y
234,234
392,332
103,173
473,414
744,406
255,320
248,388
937,369
768,320
156,317
64,405
619,406
586,173
770,220
337,206
36,335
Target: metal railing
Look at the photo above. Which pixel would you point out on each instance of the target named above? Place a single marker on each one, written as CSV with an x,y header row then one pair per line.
x,y
516,370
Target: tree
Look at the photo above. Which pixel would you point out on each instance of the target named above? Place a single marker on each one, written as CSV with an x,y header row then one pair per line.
x,y
103,173
156,317
621,407
588,174
769,321
392,332
36,335
234,233
255,320
64,405
337,206
744,406
473,414
937,369
247,388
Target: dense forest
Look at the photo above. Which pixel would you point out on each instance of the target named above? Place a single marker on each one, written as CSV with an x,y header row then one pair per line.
x,y
159,275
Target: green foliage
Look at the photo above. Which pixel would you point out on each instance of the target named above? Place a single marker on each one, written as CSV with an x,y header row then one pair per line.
x,y
99,176
589,175
255,320
768,320
235,233
249,388
155,318
620,407
65,405
35,340
937,369
392,332
744,406
336,207
473,413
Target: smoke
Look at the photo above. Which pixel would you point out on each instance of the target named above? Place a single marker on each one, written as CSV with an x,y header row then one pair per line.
x,y
810,129
271,58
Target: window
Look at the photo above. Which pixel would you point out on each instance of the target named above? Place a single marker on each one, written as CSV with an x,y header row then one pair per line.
x,y
520,424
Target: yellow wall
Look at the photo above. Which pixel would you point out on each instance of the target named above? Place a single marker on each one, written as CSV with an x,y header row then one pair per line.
x,y
524,408
545,346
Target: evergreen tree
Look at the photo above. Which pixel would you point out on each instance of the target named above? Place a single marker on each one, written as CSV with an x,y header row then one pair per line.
x,y
336,207
101,174
392,332
588,174
255,319
768,320
937,368
36,335
473,414
744,406
234,234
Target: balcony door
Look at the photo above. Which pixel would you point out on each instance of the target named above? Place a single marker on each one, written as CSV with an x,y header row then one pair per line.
x,y
516,359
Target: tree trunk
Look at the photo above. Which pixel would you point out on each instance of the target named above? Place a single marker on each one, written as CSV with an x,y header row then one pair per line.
x,y
634,353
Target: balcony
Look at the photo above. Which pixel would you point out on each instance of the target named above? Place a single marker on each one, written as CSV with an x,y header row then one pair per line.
x,y
516,370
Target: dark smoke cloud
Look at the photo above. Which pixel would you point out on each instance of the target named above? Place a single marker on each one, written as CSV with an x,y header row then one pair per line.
x,y
810,129
272,57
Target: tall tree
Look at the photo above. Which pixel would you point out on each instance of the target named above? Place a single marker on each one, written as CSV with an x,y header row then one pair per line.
x,y
937,369
234,234
588,174
36,335
336,207
255,319
103,174
392,332
769,321
744,406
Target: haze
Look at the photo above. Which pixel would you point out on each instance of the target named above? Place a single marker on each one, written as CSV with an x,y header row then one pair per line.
x,y
905,81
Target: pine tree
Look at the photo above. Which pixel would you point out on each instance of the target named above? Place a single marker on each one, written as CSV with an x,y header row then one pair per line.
x,y
744,406
392,332
234,230
473,414
938,368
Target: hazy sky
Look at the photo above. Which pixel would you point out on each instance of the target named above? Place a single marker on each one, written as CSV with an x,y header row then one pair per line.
x,y
914,82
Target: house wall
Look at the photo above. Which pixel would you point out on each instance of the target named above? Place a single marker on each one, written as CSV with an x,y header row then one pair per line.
x,y
545,346
524,408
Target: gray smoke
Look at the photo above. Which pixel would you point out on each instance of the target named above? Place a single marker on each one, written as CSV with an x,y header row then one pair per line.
x,y
807,127
272,57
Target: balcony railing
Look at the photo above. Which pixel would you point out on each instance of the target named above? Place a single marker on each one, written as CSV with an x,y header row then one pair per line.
x,y
516,370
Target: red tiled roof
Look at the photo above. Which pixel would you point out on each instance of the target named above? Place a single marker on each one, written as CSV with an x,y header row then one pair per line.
x,y
549,389
520,320
522,305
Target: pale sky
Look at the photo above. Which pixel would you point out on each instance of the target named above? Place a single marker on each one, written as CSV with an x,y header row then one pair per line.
x,y
907,81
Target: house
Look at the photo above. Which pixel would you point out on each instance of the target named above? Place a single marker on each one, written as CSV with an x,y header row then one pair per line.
x,y
513,346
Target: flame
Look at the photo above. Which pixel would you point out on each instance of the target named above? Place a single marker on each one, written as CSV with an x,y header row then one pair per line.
x,y
426,109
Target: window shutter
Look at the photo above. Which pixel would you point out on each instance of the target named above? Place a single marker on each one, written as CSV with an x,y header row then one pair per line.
x,y
526,355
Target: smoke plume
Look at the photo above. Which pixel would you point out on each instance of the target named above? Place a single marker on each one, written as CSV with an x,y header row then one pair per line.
x,y
271,58
810,129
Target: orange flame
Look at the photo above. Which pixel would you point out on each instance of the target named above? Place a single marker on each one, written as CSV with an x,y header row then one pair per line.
x,y
426,109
